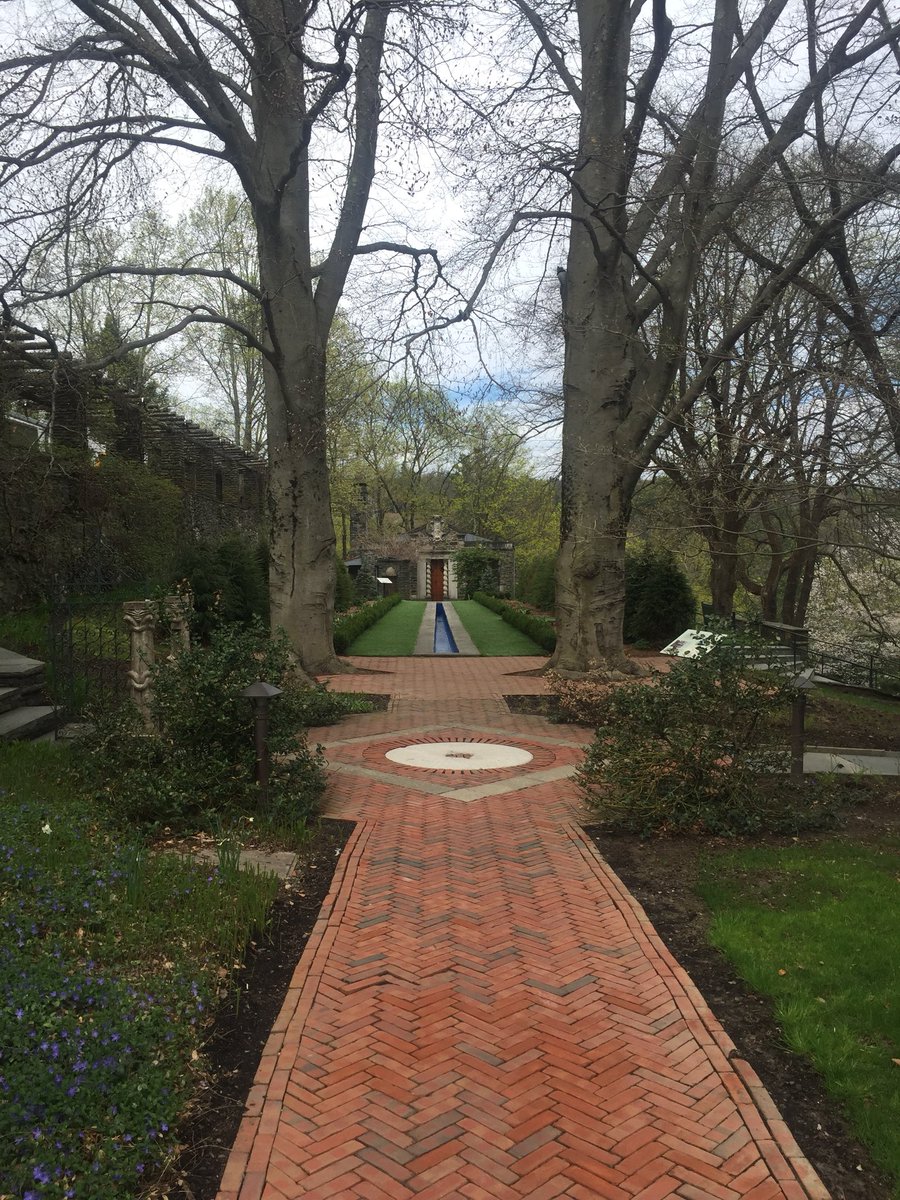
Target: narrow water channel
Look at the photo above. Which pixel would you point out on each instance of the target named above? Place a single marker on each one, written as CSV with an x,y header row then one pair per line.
x,y
444,642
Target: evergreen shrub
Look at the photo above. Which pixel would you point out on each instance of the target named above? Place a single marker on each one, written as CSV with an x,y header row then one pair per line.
x,y
201,765
692,752
365,585
228,580
343,586
659,602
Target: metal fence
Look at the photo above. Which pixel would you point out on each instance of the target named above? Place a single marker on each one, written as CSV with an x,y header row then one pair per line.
x,y
790,643
852,665
856,667
88,659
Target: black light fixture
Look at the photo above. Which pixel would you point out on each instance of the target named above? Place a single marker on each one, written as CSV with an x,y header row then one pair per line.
x,y
261,693
803,684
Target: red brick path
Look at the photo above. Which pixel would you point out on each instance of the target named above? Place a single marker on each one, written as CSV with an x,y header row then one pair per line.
x,y
483,1010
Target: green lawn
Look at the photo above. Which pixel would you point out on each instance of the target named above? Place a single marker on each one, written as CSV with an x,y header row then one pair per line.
x,y
394,634
865,700
816,929
491,634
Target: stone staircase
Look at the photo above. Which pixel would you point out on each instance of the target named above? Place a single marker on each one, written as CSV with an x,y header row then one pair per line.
x,y
22,715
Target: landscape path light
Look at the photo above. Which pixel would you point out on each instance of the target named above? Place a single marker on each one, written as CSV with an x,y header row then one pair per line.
x,y
803,684
261,693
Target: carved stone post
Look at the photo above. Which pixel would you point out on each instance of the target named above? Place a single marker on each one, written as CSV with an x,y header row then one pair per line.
x,y
141,618
177,609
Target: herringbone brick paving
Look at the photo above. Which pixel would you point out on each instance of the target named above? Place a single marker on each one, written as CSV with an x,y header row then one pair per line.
x,y
483,1010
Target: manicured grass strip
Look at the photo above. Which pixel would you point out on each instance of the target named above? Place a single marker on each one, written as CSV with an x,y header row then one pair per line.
x,y
815,928
110,960
395,634
491,634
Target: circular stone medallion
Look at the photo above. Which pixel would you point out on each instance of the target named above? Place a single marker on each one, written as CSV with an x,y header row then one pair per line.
x,y
459,756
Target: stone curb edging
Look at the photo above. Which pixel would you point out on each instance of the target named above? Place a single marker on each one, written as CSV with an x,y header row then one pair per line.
x,y
245,1171
845,751
776,1143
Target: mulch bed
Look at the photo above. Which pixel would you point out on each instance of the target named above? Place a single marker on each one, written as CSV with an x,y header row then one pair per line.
x,y
534,706
830,722
242,1026
662,875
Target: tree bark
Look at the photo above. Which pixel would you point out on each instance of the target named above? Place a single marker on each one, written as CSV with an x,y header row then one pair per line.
x,y
723,571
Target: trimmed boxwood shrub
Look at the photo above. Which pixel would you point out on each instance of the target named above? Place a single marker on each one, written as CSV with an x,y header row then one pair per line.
x,y
539,629
348,628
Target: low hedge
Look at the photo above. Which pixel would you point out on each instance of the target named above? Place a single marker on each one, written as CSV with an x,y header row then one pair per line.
x,y
348,628
539,629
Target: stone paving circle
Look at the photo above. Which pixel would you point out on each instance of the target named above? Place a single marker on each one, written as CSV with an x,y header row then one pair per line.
x,y
459,756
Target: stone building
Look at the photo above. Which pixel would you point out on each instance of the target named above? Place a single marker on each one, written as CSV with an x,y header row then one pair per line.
x,y
421,565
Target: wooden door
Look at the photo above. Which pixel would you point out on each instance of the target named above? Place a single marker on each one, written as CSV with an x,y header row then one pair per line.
x,y
437,579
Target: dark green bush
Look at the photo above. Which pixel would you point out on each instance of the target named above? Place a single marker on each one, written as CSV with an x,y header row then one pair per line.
x,y
343,586
477,570
659,603
228,580
365,585
539,629
348,628
201,765
692,752
536,582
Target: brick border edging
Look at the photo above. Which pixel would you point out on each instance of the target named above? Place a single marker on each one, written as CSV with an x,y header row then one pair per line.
x,y
786,1161
245,1170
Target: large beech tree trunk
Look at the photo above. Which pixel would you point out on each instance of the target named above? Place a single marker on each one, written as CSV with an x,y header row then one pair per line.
x,y
299,307
613,388
597,488
301,531
634,250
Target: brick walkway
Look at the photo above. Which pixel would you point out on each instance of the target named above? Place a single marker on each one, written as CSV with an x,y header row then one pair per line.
x,y
483,1011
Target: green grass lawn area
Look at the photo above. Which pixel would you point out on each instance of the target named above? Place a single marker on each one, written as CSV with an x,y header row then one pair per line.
x,y
816,929
394,634
111,960
491,634
866,700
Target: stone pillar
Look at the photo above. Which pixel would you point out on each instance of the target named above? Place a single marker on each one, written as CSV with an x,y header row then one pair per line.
x,y
177,610
141,618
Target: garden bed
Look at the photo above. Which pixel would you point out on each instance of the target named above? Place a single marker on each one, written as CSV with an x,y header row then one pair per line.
x,y
242,1026
663,874
839,717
